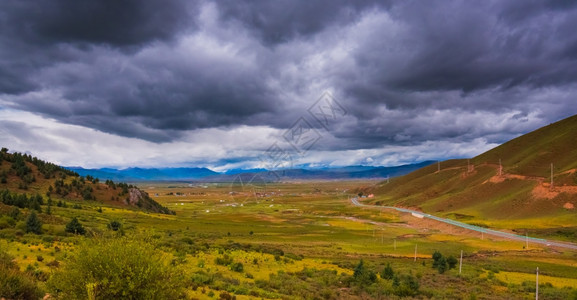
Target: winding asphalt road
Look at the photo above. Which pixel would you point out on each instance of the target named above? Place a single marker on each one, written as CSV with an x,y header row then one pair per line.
x,y
511,236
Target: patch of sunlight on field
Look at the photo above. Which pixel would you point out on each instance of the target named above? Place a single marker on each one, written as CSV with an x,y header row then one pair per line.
x,y
556,261
259,265
124,212
545,221
444,238
488,244
349,224
202,294
27,254
519,278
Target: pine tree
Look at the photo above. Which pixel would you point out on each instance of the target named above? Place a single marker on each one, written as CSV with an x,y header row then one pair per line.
x,y
75,227
388,272
33,224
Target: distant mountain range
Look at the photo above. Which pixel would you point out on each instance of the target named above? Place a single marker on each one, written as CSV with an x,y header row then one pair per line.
x,y
146,174
207,175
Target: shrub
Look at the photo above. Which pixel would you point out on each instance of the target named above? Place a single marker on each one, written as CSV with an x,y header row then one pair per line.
x,y
237,267
442,265
405,285
388,272
15,213
363,276
436,257
440,262
223,261
6,222
452,261
15,284
118,268
226,296
75,227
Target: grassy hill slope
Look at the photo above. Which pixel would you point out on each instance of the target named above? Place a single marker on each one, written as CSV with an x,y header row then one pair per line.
x,y
22,174
520,196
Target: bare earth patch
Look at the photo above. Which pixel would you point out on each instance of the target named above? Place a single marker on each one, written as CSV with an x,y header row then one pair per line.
x,y
544,191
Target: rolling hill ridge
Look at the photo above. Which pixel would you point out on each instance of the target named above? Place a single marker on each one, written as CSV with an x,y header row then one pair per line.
x,y
506,187
23,176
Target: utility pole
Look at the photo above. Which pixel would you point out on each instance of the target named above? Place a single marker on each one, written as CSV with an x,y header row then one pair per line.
x,y
461,263
551,175
537,285
415,252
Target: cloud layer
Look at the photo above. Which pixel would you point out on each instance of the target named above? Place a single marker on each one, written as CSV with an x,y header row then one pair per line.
x,y
218,83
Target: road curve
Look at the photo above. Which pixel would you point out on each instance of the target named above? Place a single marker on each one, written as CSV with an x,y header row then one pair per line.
x,y
511,236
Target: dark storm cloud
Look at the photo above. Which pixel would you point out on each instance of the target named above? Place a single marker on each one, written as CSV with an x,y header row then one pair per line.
x,y
111,22
457,46
33,33
281,21
408,72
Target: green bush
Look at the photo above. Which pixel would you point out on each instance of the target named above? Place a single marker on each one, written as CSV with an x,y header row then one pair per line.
x,y
442,263
237,267
15,284
405,285
120,268
224,260
6,222
364,276
452,261
114,225
15,213
75,227
388,272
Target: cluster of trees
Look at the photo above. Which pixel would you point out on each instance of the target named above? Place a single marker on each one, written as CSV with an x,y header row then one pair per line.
x,y
77,185
22,200
110,184
403,285
19,160
22,165
34,225
442,263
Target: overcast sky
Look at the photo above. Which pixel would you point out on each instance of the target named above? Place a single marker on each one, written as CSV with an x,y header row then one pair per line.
x,y
322,83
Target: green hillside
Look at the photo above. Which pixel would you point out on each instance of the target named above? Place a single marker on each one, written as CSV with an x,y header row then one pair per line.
x,y
24,178
533,153
520,197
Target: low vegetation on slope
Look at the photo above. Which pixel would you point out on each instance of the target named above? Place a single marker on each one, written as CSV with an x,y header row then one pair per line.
x,y
500,187
297,241
23,176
